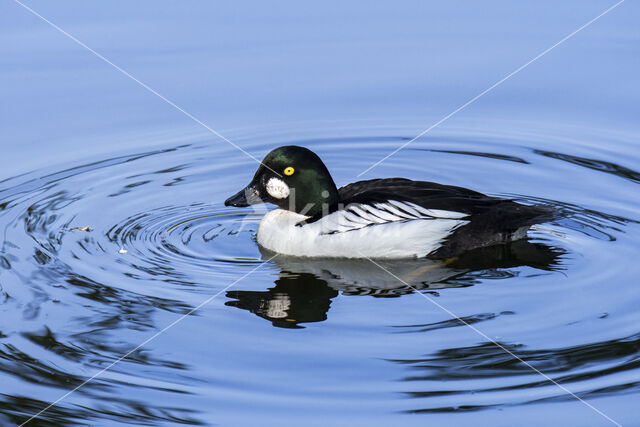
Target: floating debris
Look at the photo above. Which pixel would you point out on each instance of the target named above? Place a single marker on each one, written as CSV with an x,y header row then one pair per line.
x,y
123,251
87,228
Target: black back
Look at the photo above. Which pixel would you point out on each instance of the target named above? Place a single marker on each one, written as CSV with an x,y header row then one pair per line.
x,y
429,195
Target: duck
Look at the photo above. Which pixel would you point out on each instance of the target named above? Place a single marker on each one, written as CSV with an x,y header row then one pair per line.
x,y
376,218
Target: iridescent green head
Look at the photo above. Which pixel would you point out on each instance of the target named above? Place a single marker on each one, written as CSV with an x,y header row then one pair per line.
x,y
293,178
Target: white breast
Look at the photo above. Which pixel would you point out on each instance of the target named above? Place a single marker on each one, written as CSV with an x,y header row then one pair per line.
x,y
380,231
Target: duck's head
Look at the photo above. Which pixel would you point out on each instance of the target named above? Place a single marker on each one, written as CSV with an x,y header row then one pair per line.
x,y
292,177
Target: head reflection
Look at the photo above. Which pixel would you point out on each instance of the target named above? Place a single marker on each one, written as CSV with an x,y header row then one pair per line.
x,y
306,286
296,298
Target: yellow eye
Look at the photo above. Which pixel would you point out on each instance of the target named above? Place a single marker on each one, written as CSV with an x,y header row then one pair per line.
x,y
289,171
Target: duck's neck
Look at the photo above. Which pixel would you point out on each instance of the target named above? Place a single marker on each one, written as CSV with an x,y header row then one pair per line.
x,y
325,201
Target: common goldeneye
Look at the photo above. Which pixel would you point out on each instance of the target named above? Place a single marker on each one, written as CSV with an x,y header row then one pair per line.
x,y
378,218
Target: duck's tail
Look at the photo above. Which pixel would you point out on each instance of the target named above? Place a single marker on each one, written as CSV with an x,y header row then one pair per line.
x,y
506,222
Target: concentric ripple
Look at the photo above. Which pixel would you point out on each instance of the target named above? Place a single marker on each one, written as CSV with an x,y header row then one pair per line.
x,y
181,237
98,255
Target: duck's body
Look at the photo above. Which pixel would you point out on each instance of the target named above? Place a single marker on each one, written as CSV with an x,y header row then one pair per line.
x,y
279,231
380,218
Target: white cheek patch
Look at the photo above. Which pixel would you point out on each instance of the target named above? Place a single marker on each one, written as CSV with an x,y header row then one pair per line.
x,y
277,188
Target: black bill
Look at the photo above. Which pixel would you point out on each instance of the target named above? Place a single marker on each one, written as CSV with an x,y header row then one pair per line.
x,y
245,197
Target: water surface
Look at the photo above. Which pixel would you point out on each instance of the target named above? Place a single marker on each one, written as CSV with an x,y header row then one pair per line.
x,y
314,341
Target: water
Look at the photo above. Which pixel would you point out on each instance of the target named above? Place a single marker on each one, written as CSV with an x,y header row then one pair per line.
x,y
314,341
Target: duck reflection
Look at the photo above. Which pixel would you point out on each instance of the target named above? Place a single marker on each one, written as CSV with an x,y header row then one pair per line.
x,y
306,286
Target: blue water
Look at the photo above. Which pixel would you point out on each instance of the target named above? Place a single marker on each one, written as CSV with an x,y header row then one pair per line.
x,y
312,342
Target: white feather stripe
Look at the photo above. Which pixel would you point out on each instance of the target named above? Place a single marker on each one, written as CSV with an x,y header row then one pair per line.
x,y
380,213
341,221
393,210
410,208
406,208
370,218
353,217
420,209
438,213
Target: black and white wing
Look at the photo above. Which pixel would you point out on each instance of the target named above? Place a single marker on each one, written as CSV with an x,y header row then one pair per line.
x,y
355,216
